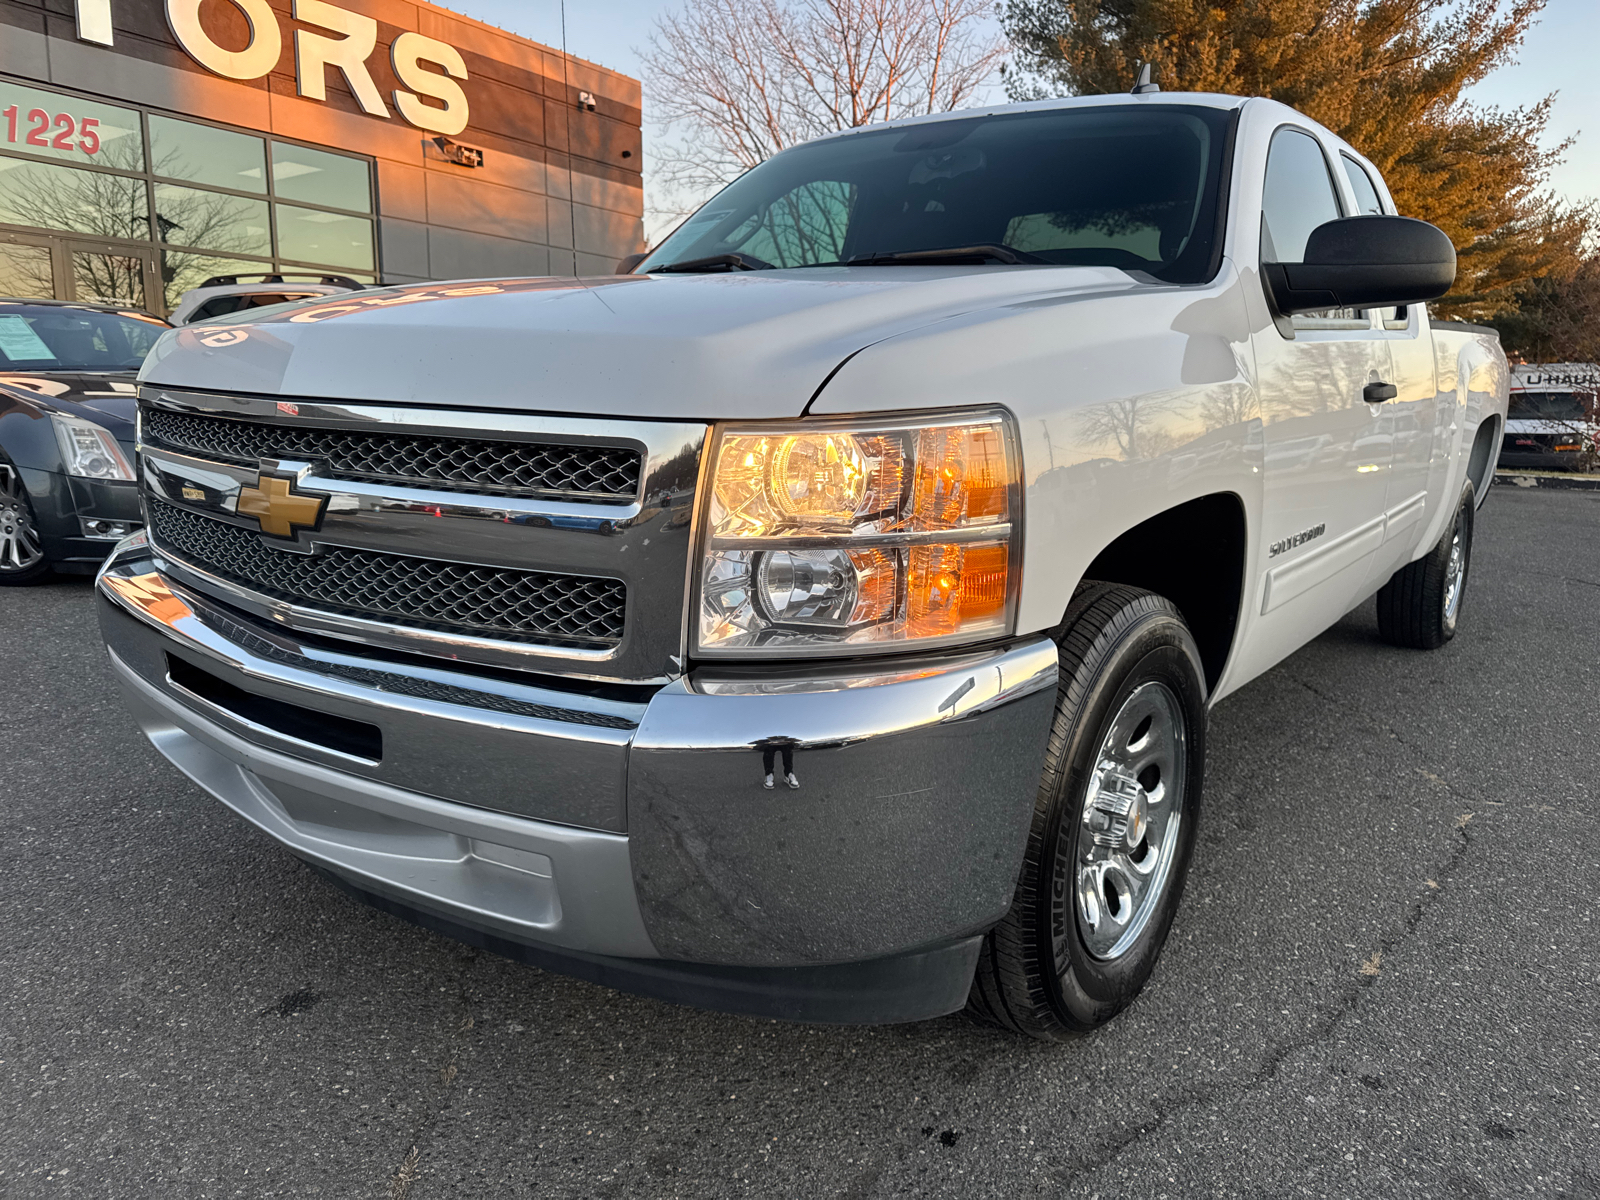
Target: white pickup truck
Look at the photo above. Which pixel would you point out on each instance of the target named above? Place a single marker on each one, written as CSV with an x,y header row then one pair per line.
x,y
821,619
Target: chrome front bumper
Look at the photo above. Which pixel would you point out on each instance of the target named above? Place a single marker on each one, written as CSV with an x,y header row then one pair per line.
x,y
625,837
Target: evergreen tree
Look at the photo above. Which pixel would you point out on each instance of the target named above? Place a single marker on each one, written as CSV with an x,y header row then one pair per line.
x,y
1388,76
1556,319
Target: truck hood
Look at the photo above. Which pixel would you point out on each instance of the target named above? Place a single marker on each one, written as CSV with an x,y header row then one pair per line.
x,y
754,344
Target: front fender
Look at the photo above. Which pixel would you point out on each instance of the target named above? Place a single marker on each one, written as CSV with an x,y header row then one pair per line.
x,y
1128,403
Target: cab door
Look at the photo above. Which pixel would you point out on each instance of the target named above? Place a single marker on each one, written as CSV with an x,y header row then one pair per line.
x,y
1417,448
1327,453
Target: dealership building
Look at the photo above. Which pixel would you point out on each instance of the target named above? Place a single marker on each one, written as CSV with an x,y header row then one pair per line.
x,y
146,145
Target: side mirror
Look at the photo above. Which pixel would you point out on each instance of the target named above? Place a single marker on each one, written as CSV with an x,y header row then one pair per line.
x,y
628,262
1365,262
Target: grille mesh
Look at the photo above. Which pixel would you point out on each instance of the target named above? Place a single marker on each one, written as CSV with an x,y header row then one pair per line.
x,y
415,460
486,601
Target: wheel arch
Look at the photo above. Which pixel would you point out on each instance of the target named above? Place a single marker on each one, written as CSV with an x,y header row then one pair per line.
x,y
1481,460
1194,554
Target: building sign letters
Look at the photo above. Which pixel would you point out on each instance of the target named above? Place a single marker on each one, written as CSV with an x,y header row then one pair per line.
x,y
335,37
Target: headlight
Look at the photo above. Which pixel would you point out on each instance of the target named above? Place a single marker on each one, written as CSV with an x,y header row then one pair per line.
x,y
89,450
830,538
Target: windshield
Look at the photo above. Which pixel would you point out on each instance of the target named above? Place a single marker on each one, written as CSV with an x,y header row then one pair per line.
x,y
1548,406
55,337
1130,186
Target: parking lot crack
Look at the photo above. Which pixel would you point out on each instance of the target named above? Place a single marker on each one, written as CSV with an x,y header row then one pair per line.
x,y
1314,690
1327,1023
1371,971
1566,578
409,1169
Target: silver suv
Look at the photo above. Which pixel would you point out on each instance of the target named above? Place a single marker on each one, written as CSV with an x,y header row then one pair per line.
x,y
224,294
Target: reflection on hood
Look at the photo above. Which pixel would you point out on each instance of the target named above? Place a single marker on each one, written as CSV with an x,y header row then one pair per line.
x,y
747,344
106,397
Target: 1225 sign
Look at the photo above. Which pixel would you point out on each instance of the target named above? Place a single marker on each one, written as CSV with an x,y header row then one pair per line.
x,y
53,132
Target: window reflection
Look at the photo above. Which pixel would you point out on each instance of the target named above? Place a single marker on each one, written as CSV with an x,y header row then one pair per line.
x,y
299,173
108,278
70,128
45,196
202,154
212,221
307,235
184,269
26,271
201,225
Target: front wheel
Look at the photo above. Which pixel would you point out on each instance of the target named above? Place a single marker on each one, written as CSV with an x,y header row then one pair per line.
x,y
1114,821
1420,606
22,559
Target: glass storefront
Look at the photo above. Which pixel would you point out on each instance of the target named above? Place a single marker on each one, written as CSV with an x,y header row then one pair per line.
x,y
110,203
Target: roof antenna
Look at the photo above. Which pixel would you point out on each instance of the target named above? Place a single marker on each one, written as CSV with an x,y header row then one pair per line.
x,y
1146,85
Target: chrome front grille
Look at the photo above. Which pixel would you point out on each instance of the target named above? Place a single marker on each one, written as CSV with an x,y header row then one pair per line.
x,y
484,536
401,589
491,467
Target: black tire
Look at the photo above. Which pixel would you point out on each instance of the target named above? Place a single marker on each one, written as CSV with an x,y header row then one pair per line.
x,y
1037,975
19,530
1415,608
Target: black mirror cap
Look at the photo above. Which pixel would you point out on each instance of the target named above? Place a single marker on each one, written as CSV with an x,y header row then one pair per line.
x,y
628,262
1365,262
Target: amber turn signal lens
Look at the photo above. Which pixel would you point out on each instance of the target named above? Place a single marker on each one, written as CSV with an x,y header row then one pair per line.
x,y
954,586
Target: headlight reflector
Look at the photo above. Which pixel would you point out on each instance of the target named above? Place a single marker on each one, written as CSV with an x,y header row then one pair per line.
x,y
89,450
824,538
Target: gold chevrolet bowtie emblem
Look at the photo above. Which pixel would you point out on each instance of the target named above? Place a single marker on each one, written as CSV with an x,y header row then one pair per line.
x,y
274,502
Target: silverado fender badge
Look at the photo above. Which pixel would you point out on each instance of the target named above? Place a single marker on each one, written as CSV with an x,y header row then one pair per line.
x,y
1289,543
279,508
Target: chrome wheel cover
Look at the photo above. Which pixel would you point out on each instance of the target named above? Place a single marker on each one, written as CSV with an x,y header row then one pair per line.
x,y
1455,578
19,539
1132,815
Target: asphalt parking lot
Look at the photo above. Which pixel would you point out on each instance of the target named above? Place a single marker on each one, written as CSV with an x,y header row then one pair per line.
x,y
1385,979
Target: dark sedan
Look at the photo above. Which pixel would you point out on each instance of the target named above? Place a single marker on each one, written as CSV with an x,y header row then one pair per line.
x,y
67,463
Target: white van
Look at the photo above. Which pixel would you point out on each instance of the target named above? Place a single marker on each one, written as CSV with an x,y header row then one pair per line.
x,y
1552,422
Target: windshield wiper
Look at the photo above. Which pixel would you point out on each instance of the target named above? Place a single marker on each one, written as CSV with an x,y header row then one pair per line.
x,y
992,251
714,262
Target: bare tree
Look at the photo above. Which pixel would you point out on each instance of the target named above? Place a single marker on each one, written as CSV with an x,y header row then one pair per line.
x,y
1131,425
738,80
195,227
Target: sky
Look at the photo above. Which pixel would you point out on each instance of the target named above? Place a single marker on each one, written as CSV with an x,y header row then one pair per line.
x,y
1560,55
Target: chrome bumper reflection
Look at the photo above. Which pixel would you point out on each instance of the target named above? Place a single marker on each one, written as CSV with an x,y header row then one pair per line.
x,y
916,789
530,880
917,785
518,748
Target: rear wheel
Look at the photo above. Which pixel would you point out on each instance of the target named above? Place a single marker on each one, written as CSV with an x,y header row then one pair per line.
x,y
1420,606
22,558
1114,821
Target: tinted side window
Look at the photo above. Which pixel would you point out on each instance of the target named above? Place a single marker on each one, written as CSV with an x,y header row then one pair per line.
x,y
1368,205
221,306
1299,196
1367,202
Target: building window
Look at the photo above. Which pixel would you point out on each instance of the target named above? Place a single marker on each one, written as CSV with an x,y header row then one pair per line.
x,y
317,177
46,196
313,236
166,199
212,221
206,155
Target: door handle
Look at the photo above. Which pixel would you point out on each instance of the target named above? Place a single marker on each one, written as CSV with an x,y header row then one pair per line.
x,y
1376,393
